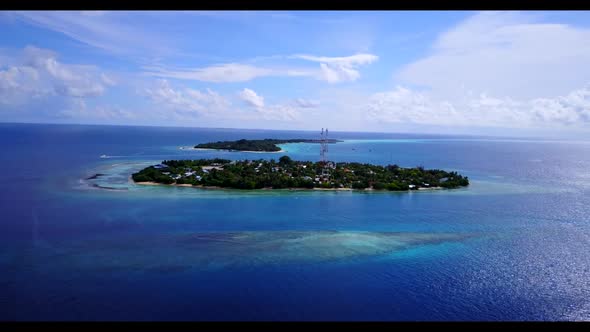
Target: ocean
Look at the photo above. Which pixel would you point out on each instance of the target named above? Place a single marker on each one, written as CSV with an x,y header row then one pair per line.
x,y
511,246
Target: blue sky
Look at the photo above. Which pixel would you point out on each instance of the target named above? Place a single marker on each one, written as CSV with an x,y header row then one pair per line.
x,y
504,73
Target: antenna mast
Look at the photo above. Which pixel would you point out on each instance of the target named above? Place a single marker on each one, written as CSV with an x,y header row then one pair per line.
x,y
324,144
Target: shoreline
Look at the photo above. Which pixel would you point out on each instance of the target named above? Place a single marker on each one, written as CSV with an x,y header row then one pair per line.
x,y
433,188
205,149
282,189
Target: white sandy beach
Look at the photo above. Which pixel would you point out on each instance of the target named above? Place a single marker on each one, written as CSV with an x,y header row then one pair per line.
x,y
269,188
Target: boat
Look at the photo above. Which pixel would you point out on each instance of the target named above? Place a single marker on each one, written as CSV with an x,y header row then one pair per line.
x,y
104,156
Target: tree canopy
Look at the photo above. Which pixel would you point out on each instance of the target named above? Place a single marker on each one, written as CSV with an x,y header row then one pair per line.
x,y
288,173
261,145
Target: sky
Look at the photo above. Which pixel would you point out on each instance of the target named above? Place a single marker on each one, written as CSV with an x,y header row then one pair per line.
x,y
446,72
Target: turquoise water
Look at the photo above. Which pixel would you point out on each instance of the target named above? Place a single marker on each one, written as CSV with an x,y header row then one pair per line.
x,y
511,246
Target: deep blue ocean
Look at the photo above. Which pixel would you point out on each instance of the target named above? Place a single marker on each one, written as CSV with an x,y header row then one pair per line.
x,y
514,245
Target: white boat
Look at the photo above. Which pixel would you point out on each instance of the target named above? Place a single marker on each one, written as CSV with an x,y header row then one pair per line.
x,y
104,156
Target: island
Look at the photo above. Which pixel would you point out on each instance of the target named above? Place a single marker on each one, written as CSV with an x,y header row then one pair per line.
x,y
287,173
257,145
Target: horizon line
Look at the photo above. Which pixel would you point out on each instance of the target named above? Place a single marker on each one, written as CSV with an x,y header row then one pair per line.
x,y
267,129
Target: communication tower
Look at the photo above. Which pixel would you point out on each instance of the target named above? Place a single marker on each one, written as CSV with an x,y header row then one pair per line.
x,y
324,144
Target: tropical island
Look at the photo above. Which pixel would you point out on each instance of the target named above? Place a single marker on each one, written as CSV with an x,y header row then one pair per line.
x,y
290,174
257,145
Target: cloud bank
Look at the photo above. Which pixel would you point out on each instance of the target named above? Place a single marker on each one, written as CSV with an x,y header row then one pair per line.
x,y
38,73
331,70
404,105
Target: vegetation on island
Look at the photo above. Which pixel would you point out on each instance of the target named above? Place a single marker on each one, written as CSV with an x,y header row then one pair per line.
x,y
288,173
261,145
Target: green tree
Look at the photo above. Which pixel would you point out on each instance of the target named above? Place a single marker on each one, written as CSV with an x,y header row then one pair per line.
x,y
378,185
360,185
285,160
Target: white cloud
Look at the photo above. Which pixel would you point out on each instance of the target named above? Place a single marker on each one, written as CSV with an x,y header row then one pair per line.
x,y
18,85
231,72
38,73
107,79
339,69
251,98
228,73
357,59
305,103
402,105
187,100
332,70
504,54
114,32
571,109
280,112
209,98
496,69
68,80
